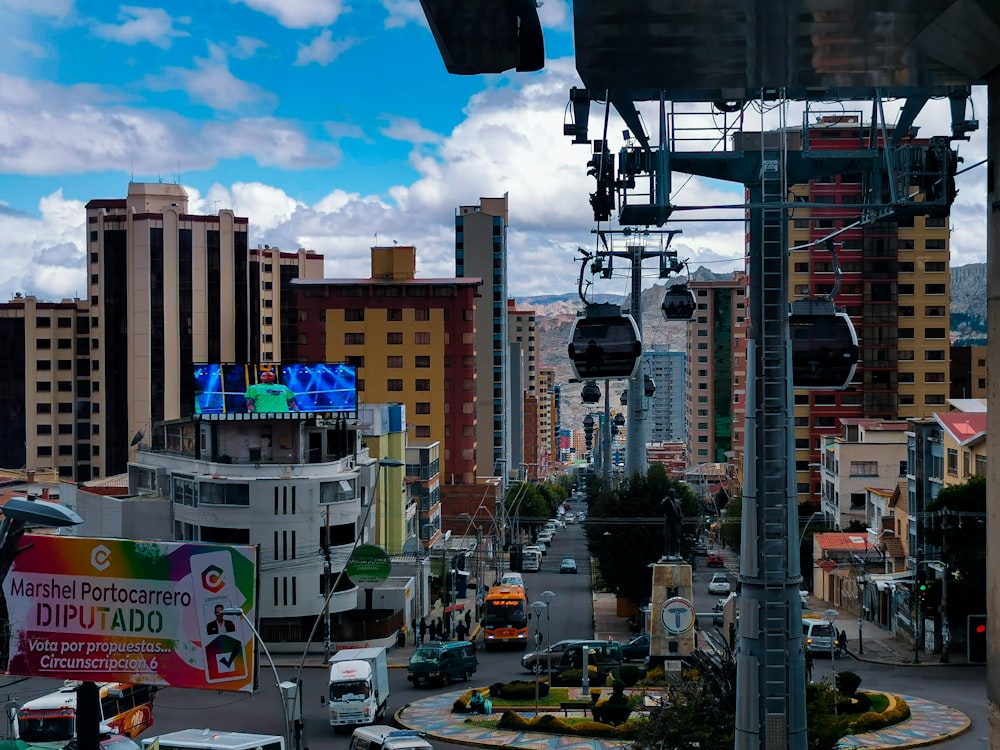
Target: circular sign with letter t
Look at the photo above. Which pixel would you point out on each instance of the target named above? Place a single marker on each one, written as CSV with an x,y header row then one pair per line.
x,y
677,615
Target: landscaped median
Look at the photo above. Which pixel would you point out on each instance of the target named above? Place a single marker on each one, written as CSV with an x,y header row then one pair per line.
x,y
654,707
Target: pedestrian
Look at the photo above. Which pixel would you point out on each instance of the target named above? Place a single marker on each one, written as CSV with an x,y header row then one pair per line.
x,y
842,641
441,633
433,630
809,665
468,620
413,627
460,631
421,630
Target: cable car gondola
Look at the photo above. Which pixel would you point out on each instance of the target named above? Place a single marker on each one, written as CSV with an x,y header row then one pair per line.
x,y
604,343
679,303
648,386
591,392
824,345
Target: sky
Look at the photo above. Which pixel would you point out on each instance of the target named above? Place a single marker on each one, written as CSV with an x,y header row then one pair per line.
x,y
333,126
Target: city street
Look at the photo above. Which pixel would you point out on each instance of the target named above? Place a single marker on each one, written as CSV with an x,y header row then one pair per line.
x,y
571,616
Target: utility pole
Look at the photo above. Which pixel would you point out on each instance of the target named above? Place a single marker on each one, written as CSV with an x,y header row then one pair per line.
x,y
326,588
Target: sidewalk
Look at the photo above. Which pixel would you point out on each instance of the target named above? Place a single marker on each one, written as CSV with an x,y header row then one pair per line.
x,y
876,644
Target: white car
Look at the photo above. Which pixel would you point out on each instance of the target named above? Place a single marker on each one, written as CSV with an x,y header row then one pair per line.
x,y
512,579
545,537
719,584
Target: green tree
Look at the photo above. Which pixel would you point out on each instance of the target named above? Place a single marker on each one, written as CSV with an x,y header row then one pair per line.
x,y
731,526
957,526
625,529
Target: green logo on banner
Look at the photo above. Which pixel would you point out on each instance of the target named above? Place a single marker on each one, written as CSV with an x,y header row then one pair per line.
x,y
369,564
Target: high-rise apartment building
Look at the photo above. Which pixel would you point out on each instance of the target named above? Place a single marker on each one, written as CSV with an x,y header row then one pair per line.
x,y
167,289
521,331
710,362
895,285
481,252
45,386
548,447
412,341
272,302
665,408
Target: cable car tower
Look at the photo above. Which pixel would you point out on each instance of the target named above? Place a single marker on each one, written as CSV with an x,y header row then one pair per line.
x,y
808,344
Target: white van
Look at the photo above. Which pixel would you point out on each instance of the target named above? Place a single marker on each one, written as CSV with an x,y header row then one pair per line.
x,y
379,737
531,562
818,635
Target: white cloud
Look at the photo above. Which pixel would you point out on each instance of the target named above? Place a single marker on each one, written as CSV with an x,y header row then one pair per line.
x,y
245,47
44,255
299,14
408,130
139,25
211,83
323,50
50,8
402,12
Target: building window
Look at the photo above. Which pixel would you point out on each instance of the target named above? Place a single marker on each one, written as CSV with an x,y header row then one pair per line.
x,y
394,362
421,337
864,468
934,288
952,461
904,355
336,492
43,408
421,314
422,385
934,333
906,311
934,355
43,386
935,311
422,407
223,493
422,431
422,361
394,338
934,377
857,500
906,333
906,399
906,377
43,344
354,339
394,385
394,314
934,399
43,429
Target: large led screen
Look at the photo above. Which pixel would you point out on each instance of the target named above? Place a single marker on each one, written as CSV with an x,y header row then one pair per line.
x,y
273,388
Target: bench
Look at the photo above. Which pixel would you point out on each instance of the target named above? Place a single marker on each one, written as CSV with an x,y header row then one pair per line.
x,y
568,706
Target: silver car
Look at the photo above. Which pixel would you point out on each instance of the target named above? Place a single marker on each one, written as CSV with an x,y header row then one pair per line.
x,y
551,654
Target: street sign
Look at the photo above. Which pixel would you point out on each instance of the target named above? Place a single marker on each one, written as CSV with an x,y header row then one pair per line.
x,y
677,615
368,564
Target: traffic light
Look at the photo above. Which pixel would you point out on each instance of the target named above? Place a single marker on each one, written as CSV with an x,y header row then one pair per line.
x,y
922,584
977,638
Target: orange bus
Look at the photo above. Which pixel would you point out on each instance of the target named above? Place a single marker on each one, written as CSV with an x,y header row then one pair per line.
x,y
505,620
50,721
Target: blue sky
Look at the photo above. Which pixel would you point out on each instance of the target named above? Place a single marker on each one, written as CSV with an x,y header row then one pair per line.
x,y
329,124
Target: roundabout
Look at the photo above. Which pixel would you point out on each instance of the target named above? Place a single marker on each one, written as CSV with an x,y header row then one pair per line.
x,y
929,723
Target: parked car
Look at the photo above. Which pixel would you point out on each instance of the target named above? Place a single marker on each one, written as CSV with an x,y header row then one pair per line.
x,y
553,653
546,537
719,584
568,565
715,560
637,649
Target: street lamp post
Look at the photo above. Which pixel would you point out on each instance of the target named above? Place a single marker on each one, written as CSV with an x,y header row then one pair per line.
x,y
336,584
831,615
537,607
547,597
286,690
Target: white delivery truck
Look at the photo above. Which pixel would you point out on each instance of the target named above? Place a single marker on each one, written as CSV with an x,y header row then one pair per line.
x,y
359,686
210,739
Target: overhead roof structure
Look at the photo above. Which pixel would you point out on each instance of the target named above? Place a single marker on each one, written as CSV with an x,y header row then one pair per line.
x,y
707,50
